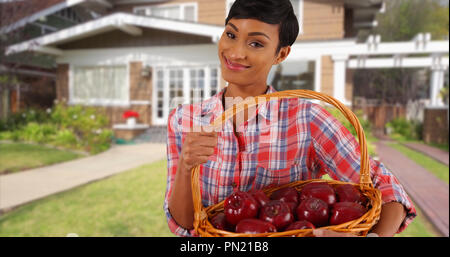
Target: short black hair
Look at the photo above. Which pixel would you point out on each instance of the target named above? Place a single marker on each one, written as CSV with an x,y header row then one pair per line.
x,y
269,11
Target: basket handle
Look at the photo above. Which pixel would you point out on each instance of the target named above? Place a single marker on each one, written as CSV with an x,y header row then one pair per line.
x,y
364,179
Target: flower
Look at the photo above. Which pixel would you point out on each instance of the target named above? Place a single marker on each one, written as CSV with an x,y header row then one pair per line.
x,y
92,117
130,114
49,110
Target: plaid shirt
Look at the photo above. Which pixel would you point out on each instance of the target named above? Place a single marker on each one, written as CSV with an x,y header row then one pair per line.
x,y
308,142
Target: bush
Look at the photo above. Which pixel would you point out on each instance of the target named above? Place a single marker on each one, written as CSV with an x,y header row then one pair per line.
x,y
18,120
65,138
75,127
403,129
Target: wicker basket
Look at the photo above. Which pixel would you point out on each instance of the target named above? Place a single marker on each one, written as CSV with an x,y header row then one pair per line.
x,y
360,226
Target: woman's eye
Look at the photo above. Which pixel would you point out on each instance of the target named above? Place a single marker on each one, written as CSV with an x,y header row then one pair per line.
x,y
230,35
256,44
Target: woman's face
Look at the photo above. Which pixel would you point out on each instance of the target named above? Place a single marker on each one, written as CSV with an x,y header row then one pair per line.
x,y
247,51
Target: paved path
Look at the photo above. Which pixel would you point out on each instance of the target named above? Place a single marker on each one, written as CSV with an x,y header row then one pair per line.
x,y
433,152
427,191
22,187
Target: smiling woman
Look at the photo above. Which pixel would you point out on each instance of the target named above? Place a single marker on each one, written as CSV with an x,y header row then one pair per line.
x,y
304,140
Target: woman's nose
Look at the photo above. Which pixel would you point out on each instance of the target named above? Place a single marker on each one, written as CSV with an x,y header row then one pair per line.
x,y
237,52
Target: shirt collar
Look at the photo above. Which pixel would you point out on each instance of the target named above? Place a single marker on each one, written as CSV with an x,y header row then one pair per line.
x,y
214,105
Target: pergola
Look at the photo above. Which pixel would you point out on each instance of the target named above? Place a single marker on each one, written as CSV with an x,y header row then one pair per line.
x,y
420,52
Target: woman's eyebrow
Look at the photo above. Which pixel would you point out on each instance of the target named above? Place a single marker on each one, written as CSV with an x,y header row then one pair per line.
x,y
258,34
233,26
251,33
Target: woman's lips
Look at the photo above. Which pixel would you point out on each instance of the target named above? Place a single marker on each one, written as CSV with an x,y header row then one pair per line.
x,y
235,66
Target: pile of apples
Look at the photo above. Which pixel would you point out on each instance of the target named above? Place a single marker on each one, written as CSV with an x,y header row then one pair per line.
x,y
316,205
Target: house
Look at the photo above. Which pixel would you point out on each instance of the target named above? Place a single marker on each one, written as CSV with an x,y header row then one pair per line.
x,y
141,54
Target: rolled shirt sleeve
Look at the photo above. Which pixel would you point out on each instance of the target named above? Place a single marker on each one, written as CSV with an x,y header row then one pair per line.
x,y
174,143
337,153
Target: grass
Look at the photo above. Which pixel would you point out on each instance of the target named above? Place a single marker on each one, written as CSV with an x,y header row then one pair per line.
x,y
440,170
419,227
16,157
128,204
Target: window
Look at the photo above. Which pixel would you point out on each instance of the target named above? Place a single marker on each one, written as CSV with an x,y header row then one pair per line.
x,y
214,81
297,5
182,85
99,85
197,85
293,75
187,11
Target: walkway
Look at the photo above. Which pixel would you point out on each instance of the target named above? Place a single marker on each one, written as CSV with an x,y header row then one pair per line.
x,y
23,187
433,152
429,193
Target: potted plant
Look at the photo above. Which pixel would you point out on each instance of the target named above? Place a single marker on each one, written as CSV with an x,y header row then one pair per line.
x,y
130,117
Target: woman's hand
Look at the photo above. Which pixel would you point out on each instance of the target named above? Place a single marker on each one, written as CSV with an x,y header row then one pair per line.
x,y
330,233
197,148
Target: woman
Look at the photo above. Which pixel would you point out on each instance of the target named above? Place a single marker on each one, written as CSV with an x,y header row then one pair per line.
x,y
309,142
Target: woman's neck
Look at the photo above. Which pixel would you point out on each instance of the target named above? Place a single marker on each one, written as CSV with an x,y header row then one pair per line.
x,y
244,92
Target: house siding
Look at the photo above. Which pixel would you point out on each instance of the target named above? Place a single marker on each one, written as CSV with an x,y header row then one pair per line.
x,y
322,19
209,11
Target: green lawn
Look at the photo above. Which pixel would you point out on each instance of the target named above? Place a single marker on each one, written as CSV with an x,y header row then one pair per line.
x,y
128,204
438,169
17,156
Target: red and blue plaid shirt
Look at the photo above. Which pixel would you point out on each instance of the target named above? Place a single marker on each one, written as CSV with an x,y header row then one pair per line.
x,y
308,142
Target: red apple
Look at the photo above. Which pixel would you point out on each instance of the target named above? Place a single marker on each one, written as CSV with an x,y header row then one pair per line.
x,y
278,213
288,195
321,191
302,224
313,210
238,206
254,226
219,221
259,196
347,193
346,211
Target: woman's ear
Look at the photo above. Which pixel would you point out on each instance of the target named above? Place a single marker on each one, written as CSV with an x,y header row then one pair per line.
x,y
282,54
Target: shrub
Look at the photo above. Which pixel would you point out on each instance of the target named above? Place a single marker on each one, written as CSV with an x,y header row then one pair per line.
x,y
401,128
18,120
65,138
76,127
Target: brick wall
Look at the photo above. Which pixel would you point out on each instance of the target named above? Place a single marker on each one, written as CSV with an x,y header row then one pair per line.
x,y
62,82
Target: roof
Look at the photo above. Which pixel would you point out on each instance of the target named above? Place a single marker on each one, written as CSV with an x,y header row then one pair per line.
x,y
16,14
128,23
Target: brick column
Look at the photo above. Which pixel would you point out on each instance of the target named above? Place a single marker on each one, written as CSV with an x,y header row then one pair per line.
x,y
62,82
